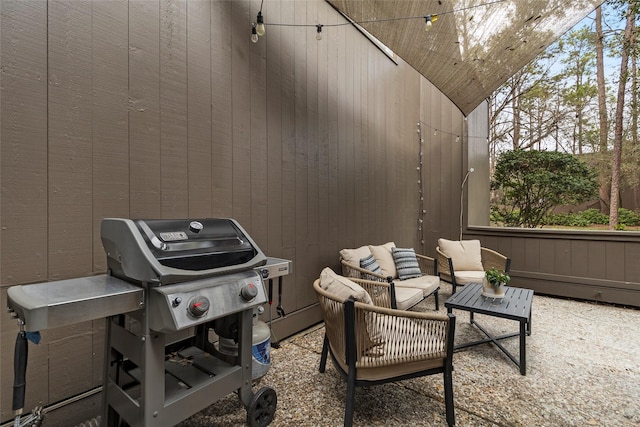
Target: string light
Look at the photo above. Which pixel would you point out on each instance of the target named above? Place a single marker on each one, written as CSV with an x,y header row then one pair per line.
x,y
260,24
254,34
457,136
428,20
421,209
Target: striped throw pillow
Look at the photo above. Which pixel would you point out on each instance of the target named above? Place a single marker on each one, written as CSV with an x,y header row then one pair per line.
x,y
370,263
406,263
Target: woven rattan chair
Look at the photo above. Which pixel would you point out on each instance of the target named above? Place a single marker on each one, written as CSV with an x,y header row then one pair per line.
x,y
458,267
373,345
429,283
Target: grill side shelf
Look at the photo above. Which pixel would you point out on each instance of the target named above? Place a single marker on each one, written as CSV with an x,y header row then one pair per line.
x,y
49,305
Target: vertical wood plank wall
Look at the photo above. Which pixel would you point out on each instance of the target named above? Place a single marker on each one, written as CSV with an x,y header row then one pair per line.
x,y
165,109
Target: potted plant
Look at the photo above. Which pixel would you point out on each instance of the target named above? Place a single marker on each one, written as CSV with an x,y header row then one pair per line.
x,y
494,282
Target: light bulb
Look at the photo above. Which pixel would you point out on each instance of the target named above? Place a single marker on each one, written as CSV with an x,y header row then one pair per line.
x,y
427,23
254,34
319,32
260,24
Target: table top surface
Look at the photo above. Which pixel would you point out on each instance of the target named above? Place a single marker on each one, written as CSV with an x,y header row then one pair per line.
x,y
516,303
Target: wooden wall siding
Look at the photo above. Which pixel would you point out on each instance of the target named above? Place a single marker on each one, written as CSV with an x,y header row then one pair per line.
x,y
597,266
164,108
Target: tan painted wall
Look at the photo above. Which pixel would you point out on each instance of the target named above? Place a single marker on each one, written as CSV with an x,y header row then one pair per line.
x,y
164,108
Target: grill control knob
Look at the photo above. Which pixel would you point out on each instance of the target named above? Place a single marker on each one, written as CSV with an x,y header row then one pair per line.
x,y
195,226
198,306
177,301
248,292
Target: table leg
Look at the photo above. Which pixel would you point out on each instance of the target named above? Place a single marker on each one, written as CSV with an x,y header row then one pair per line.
x,y
523,346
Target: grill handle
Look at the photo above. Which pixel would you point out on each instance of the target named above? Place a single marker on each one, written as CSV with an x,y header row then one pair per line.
x,y
21,353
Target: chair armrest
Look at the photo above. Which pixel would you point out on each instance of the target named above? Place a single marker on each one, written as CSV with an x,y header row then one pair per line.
x,y
403,335
427,265
382,293
353,271
492,259
445,264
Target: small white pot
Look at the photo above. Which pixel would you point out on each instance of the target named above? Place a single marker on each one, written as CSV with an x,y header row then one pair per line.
x,y
490,291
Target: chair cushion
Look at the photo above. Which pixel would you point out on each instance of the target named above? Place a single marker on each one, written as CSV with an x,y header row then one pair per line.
x,y
406,263
465,254
427,284
464,277
383,255
370,263
353,256
407,297
342,287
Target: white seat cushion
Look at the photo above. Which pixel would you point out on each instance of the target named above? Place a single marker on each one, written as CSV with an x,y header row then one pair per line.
x,y
465,254
407,297
465,277
427,284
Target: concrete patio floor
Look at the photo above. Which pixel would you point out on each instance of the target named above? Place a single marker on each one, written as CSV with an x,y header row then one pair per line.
x,y
583,369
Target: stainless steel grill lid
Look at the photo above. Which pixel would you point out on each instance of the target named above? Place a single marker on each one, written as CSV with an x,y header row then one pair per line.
x,y
161,252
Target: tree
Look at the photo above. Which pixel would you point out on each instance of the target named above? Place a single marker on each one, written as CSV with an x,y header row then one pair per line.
x,y
616,164
603,122
532,183
579,60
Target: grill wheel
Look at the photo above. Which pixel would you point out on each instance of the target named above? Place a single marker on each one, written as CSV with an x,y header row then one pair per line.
x,y
262,407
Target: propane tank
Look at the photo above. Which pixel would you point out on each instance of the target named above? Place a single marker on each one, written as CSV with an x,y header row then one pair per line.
x,y
260,346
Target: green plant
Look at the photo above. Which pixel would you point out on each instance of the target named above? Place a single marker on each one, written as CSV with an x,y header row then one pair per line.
x,y
628,217
497,277
531,183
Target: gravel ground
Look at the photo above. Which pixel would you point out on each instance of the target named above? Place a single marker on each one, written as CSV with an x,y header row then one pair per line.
x,y
583,369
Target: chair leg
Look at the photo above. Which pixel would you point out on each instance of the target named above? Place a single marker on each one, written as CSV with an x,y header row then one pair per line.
x,y
350,401
448,398
437,300
323,355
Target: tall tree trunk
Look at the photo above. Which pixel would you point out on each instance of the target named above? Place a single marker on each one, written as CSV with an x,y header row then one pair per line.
x,y
634,125
616,165
516,120
602,111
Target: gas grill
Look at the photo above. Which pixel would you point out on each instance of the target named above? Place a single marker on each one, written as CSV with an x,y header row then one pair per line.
x,y
172,288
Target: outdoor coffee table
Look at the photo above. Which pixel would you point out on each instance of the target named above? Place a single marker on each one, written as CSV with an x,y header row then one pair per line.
x,y
515,305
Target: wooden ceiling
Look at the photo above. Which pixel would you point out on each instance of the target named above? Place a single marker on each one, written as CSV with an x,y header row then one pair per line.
x,y
474,45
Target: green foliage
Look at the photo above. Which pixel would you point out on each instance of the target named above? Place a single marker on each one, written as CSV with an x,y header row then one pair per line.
x,y
497,277
628,217
532,183
589,217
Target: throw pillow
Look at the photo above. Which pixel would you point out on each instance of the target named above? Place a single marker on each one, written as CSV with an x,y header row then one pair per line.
x,y
370,263
343,287
406,263
383,255
465,254
353,256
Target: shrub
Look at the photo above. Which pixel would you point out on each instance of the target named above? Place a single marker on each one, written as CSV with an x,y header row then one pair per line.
x,y
628,217
532,183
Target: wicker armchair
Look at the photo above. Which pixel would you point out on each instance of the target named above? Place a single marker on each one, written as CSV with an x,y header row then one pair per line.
x,y
385,294
465,261
429,283
373,345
